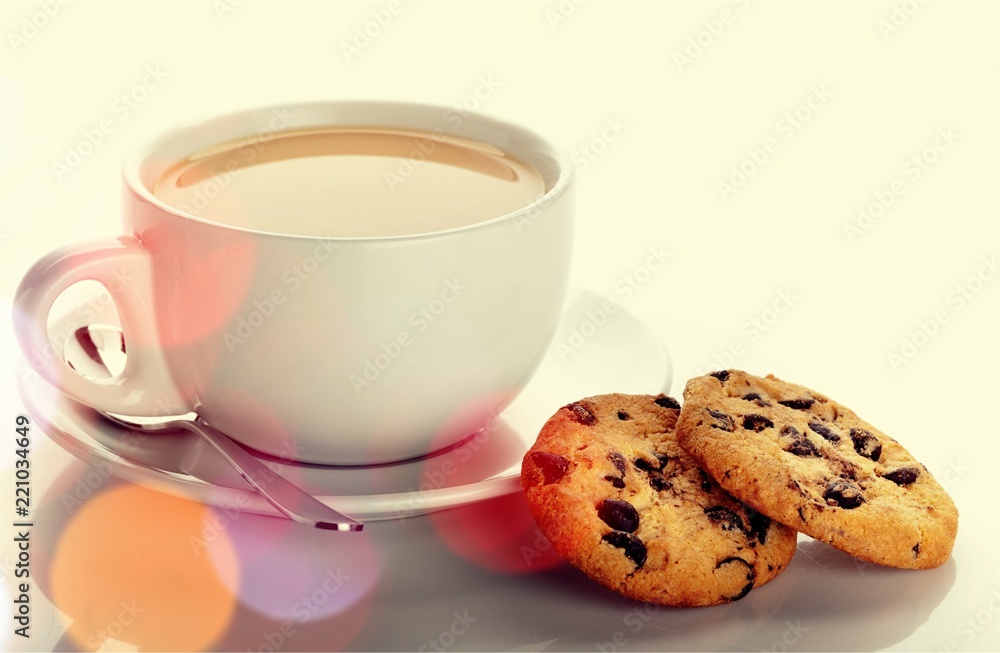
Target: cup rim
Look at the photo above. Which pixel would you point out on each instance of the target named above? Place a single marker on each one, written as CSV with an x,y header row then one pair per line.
x,y
132,166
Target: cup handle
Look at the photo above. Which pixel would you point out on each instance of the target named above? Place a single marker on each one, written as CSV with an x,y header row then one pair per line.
x,y
122,266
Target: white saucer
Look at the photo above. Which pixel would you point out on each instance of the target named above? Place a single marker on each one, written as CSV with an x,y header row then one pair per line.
x,y
594,351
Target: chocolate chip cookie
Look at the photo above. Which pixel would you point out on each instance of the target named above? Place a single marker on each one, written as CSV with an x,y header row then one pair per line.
x,y
814,465
613,491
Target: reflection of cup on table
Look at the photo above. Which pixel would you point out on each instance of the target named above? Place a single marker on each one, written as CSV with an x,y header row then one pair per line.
x,y
344,282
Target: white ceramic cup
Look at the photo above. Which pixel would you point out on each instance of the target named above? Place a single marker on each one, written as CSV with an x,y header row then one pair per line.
x,y
324,350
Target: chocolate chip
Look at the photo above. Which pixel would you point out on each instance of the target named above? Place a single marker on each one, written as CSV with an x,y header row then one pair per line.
x,y
616,481
618,461
735,573
755,398
795,443
659,483
760,524
654,472
725,422
619,515
798,404
825,431
706,482
866,444
724,517
663,401
553,467
804,448
623,416
580,414
646,466
757,423
847,468
843,493
903,475
916,549
634,549
721,375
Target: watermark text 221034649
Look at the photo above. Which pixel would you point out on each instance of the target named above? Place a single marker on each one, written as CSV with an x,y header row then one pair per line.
x,y
22,527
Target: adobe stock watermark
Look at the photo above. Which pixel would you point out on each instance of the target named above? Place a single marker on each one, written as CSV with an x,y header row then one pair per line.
x,y
366,33
790,637
951,477
303,610
633,621
424,148
559,13
625,288
582,158
433,479
927,328
87,484
263,308
970,628
223,8
121,108
420,320
130,441
751,331
84,314
34,23
898,18
786,127
585,155
449,636
246,153
223,516
916,166
113,630
711,31
527,218
539,546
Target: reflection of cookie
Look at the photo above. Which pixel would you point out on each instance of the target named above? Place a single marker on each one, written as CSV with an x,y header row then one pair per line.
x,y
616,495
810,463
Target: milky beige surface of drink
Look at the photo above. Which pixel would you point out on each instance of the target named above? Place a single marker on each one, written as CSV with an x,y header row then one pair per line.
x,y
350,182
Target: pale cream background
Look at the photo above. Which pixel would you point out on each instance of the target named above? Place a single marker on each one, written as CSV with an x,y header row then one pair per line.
x,y
653,186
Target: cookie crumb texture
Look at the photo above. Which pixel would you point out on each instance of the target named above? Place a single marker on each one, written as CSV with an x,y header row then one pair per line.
x,y
610,487
814,465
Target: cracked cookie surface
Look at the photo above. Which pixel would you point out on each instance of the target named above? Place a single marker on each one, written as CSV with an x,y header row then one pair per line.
x,y
610,487
813,464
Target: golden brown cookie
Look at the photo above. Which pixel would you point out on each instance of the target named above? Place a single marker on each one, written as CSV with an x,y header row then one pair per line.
x,y
613,491
813,464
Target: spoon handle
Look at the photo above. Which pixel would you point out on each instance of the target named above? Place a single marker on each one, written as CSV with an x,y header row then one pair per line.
x,y
290,500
